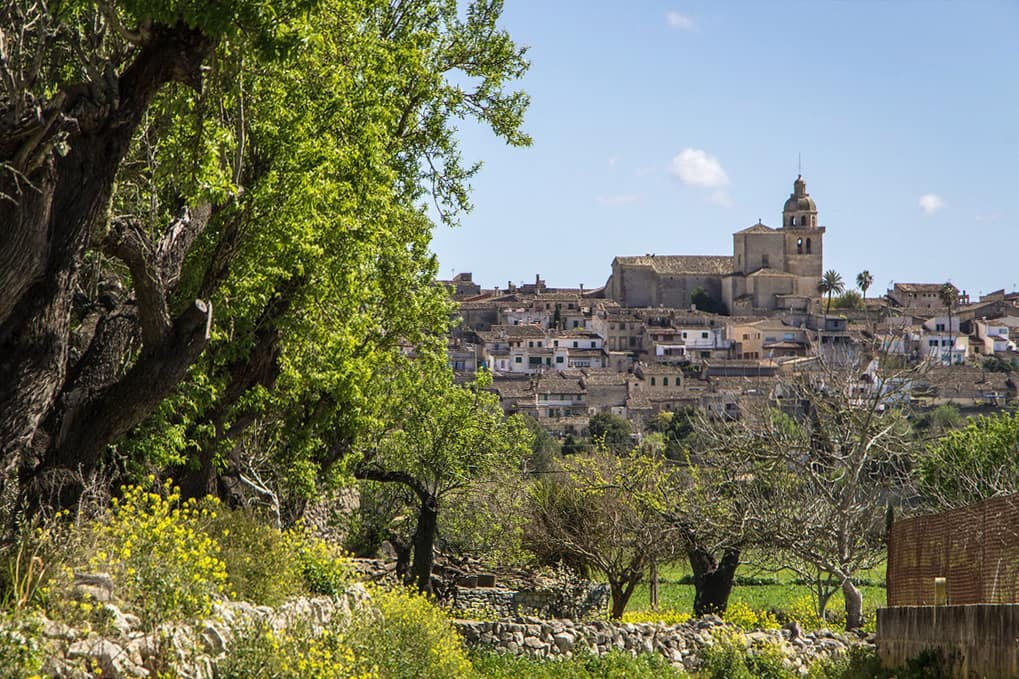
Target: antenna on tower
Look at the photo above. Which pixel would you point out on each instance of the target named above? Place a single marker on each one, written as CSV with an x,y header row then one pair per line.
x,y
799,164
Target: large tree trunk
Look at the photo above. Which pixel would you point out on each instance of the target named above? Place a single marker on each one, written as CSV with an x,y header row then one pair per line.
x,y
424,542
854,604
712,579
59,411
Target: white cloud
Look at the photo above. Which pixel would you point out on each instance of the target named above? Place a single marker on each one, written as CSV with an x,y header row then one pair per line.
x,y
680,21
696,167
619,199
613,160
931,203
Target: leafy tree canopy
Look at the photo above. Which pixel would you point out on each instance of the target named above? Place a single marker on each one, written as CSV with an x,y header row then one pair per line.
x,y
226,237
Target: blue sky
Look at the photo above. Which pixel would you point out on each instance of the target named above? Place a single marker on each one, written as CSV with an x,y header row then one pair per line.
x,y
664,127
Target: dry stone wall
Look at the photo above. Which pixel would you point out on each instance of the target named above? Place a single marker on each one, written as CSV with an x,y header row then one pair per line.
x,y
682,644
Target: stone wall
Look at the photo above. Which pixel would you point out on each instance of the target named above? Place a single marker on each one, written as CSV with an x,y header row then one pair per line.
x,y
977,640
680,644
546,603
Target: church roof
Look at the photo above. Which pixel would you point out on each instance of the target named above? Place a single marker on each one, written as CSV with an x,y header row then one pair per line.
x,y
758,228
682,264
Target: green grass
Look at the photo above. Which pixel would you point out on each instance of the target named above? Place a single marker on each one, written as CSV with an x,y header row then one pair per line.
x,y
783,596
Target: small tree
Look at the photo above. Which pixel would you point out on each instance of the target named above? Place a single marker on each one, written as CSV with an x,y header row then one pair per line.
x,y
978,461
596,514
611,431
437,438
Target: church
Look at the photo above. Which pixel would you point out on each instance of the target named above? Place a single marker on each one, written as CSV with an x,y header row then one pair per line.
x,y
770,269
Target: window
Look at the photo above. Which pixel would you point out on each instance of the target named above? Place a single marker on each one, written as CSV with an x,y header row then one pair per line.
x,y
764,261
808,246
576,323
940,327
932,343
652,381
704,335
593,345
799,246
558,359
519,359
746,336
555,343
531,344
792,221
575,345
665,381
684,335
539,344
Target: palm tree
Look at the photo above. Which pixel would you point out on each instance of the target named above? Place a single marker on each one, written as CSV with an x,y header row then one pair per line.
x,y
830,284
949,296
863,281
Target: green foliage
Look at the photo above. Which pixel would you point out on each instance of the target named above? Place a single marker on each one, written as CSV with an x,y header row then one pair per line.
x,y
157,548
613,665
972,463
397,635
411,638
611,431
744,617
831,284
293,652
730,658
938,421
705,302
260,563
324,567
850,299
21,649
677,429
600,513
319,152
487,521
545,449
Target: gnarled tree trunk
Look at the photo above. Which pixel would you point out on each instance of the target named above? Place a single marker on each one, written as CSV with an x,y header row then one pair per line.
x,y
712,579
68,389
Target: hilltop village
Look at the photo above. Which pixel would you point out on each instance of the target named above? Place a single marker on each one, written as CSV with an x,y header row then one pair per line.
x,y
670,332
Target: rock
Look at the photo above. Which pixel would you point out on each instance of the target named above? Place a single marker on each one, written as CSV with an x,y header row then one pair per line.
x,y
112,659
565,641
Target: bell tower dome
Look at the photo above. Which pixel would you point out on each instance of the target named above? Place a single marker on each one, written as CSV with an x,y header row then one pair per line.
x,y
800,211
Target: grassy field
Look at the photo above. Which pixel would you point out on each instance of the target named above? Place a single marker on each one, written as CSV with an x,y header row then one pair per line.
x,y
781,595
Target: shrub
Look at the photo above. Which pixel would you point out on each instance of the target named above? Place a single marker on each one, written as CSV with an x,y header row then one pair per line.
x,y
261,566
156,548
614,665
323,566
410,638
730,658
290,653
666,616
746,618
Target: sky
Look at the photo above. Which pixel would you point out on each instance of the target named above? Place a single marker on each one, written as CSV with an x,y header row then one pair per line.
x,y
664,127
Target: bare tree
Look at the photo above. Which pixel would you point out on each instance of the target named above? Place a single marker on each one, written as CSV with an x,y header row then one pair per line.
x,y
821,462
